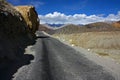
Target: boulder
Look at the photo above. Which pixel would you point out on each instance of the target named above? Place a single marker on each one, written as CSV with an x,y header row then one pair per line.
x,y
30,16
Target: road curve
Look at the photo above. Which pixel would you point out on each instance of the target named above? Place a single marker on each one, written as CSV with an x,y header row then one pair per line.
x,y
57,61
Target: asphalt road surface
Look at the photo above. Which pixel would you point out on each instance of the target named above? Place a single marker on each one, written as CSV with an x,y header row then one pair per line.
x,y
54,60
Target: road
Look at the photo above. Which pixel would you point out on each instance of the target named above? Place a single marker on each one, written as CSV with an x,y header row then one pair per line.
x,y
54,60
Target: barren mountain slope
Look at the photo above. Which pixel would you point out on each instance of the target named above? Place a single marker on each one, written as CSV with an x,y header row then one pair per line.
x,y
116,24
99,26
46,28
68,29
101,38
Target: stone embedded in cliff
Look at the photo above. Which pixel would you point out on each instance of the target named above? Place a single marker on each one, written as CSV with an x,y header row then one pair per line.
x,y
30,16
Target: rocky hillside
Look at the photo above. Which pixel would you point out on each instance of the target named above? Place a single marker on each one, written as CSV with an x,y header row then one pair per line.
x,y
68,29
101,38
15,34
95,35
116,24
46,28
99,26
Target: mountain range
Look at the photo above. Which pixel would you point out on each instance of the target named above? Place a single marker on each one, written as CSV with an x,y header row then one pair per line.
x,y
72,28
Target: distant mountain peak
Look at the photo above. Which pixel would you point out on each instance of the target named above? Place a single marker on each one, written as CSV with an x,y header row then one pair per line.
x,y
54,25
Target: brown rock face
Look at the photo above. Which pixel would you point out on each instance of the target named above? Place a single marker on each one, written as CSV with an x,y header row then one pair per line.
x,y
14,33
30,16
11,21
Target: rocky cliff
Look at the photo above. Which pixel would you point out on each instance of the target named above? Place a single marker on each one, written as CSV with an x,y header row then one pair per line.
x,y
14,33
30,16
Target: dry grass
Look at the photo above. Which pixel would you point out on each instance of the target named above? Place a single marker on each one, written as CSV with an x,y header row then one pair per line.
x,y
102,54
112,53
116,57
101,43
105,40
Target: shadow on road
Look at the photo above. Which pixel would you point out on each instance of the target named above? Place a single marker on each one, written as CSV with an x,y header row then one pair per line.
x,y
11,67
14,57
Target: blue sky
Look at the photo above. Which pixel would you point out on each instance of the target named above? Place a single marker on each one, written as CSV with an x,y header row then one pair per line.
x,y
83,11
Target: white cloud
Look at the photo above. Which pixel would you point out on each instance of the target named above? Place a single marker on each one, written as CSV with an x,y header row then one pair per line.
x,y
61,18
